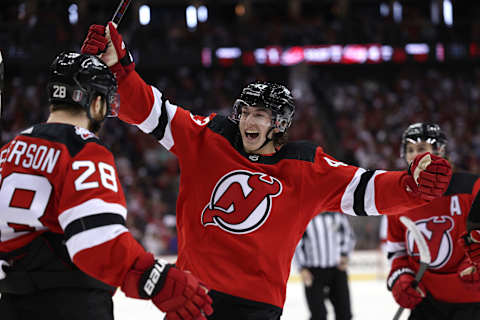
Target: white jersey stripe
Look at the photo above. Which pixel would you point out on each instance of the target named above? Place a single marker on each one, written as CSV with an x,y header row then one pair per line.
x,y
395,246
93,237
370,207
149,124
88,208
167,140
348,196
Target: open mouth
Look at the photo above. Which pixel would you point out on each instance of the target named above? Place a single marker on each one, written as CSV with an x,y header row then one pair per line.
x,y
251,135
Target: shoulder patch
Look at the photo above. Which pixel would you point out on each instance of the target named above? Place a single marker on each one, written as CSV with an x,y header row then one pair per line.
x,y
84,133
200,120
74,138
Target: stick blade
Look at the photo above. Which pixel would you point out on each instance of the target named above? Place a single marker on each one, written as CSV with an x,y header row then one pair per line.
x,y
422,245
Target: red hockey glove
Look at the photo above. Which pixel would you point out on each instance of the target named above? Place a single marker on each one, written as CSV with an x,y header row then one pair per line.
x,y
469,269
429,176
406,291
170,289
108,43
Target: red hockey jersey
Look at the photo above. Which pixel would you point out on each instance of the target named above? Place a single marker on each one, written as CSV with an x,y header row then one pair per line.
x,y
441,222
240,216
60,178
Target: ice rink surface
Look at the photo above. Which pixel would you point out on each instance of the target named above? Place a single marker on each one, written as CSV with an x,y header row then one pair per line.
x,y
370,301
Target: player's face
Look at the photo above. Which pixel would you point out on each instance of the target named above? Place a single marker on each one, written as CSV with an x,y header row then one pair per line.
x,y
254,125
414,149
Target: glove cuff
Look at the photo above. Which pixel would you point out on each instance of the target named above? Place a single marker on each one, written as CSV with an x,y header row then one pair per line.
x,y
153,279
121,71
394,276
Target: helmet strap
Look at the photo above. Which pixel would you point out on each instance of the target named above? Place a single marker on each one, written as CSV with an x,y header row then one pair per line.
x,y
267,139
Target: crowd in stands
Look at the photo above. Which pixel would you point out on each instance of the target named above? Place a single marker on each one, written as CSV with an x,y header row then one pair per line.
x,y
357,114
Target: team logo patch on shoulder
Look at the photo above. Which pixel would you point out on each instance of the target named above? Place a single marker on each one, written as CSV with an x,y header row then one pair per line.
x,y
200,120
27,131
241,201
84,133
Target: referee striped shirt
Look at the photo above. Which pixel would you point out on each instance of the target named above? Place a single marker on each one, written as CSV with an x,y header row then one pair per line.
x,y
328,237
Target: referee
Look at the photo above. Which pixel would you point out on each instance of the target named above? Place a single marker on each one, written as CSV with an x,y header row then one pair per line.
x,y
322,255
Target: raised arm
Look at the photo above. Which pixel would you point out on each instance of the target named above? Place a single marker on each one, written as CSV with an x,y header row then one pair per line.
x,y
136,97
361,192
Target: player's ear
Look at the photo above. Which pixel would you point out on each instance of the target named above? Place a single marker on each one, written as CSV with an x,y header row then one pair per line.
x,y
98,108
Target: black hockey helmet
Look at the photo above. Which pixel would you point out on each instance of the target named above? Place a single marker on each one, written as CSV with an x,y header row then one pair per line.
x,y
78,78
427,132
275,97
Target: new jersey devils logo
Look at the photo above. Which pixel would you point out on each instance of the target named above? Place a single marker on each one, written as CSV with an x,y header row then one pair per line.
x,y
241,201
436,231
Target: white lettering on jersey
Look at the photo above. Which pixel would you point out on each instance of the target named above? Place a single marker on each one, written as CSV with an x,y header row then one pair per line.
x,y
334,163
108,176
17,151
23,201
29,155
3,158
41,157
80,183
455,206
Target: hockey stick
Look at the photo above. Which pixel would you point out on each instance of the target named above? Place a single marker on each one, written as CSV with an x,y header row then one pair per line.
x,y
119,13
425,257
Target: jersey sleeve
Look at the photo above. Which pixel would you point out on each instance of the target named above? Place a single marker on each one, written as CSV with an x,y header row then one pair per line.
x,y
92,215
146,107
359,192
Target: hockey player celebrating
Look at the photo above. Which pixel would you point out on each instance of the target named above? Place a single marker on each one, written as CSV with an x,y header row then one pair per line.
x,y
441,294
63,212
246,194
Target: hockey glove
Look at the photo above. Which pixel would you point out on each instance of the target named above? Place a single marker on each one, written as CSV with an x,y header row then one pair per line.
x,y
170,289
429,176
108,43
406,291
469,269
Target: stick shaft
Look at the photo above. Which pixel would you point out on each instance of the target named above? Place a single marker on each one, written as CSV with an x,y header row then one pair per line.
x,y
119,13
425,257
